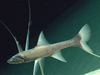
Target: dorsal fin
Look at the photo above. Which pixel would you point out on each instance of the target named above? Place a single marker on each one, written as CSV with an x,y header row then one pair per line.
x,y
42,40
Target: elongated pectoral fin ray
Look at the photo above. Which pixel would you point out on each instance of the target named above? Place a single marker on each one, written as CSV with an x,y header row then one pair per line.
x,y
59,56
42,40
36,66
41,63
18,45
29,23
27,39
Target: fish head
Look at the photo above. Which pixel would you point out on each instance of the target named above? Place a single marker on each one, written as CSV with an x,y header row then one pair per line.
x,y
16,59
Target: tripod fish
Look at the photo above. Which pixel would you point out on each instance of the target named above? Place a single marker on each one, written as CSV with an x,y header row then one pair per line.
x,y
44,49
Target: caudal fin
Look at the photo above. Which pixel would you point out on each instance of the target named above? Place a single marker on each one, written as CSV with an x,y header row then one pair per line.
x,y
85,34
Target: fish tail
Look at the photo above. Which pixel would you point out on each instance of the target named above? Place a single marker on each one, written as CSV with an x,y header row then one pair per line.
x,y
83,36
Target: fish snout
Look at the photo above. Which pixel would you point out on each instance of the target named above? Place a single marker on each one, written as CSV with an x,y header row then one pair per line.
x,y
15,60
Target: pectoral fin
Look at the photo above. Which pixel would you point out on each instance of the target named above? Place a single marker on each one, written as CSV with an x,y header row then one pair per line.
x,y
29,23
27,38
18,45
59,56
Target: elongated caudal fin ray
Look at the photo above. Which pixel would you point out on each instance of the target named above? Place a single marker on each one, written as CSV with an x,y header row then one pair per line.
x,y
42,40
59,56
85,33
17,43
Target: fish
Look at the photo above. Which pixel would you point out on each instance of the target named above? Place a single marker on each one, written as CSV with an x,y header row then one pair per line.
x,y
45,49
